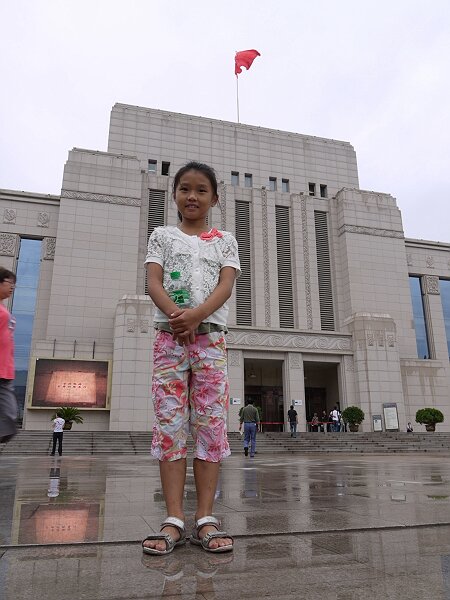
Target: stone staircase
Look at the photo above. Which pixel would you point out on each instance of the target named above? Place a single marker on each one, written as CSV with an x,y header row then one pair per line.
x,y
98,443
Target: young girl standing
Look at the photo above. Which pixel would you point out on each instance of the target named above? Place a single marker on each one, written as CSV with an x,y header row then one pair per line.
x,y
190,382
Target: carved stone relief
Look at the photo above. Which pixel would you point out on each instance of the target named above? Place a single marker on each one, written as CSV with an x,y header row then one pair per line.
x,y
49,247
144,323
223,205
107,198
234,358
43,219
349,365
9,216
390,340
8,244
266,339
430,262
431,284
295,361
370,231
131,325
370,338
409,260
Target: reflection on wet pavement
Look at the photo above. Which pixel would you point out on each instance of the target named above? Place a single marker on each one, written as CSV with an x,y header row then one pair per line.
x,y
305,527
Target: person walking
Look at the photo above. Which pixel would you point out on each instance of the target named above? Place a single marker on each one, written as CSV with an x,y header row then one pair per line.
x,y
336,419
58,429
250,419
191,270
293,420
8,402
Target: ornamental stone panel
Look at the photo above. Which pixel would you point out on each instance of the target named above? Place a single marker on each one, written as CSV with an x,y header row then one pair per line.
x,y
8,244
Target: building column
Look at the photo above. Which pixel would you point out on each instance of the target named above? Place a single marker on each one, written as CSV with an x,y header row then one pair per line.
x,y
236,379
294,388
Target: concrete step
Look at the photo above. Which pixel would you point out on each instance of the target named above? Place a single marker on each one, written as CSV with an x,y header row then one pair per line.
x,y
78,442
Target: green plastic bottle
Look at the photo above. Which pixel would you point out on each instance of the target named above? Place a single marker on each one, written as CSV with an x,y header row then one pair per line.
x,y
178,290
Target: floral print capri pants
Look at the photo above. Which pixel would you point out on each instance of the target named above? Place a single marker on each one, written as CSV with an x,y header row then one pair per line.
x,y
190,392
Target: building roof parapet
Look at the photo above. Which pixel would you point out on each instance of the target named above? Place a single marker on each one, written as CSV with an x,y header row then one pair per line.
x,y
426,244
22,196
103,153
243,126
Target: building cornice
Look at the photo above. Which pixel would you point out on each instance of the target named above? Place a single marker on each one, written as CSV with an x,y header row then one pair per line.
x,y
105,198
280,339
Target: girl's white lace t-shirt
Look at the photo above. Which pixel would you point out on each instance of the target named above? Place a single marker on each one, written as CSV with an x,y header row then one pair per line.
x,y
199,262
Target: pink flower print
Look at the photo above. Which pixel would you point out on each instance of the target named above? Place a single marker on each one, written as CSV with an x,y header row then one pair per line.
x,y
207,236
203,397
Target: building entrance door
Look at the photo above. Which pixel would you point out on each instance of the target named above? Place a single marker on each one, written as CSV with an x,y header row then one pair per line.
x,y
321,389
263,385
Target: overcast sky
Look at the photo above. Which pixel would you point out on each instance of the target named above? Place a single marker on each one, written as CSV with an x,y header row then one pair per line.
x,y
374,73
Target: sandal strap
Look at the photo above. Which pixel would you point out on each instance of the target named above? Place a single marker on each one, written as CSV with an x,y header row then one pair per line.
x,y
174,522
209,520
215,534
166,537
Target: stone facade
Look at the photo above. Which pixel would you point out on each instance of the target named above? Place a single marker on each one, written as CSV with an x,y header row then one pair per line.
x,y
92,281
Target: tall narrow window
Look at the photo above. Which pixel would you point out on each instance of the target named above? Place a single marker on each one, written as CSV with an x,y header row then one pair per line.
x,y
244,282
23,309
423,347
156,215
284,264
152,166
234,178
248,180
165,168
285,185
324,271
312,189
273,184
445,298
323,191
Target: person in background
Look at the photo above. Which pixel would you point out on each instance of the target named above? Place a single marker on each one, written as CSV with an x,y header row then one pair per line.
x,y
250,418
293,420
315,423
324,421
8,402
409,428
335,416
58,427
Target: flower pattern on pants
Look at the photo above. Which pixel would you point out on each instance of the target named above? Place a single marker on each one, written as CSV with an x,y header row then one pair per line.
x,y
190,392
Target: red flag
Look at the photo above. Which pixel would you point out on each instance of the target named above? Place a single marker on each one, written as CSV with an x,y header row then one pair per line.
x,y
244,59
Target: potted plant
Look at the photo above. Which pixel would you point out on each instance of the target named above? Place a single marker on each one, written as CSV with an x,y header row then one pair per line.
x,y
429,417
354,416
70,414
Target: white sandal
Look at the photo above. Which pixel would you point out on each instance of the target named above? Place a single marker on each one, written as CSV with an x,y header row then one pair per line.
x,y
166,537
204,542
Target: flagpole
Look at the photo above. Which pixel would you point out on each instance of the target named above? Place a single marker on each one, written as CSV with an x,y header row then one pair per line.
x,y
237,97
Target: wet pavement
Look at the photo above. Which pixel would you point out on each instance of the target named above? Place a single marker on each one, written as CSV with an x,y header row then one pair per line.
x,y
345,528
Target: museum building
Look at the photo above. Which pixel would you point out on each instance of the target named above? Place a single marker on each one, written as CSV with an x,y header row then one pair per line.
x,y
334,305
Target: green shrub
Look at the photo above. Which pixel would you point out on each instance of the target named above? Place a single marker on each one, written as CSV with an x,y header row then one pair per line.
x,y
353,415
429,416
69,414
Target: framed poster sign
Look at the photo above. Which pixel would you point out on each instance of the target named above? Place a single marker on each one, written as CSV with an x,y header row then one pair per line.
x,y
70,382
390,416
377,422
